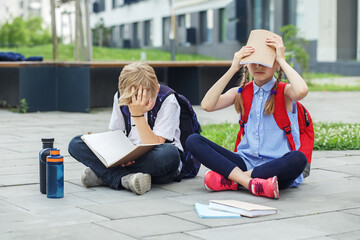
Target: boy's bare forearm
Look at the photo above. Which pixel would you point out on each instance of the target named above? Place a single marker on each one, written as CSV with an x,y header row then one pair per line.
x,y
146,135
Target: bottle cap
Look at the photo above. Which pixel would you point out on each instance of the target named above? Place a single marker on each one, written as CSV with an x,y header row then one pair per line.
x,y
54,156
47,140
54,151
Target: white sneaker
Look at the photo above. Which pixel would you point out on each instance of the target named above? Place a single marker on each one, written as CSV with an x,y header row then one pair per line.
x,y
90,179
138,183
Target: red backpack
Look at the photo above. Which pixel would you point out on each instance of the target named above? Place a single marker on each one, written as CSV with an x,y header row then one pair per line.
x,y
282,120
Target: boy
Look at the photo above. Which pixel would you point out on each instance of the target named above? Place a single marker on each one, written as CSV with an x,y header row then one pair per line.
x,y
138,87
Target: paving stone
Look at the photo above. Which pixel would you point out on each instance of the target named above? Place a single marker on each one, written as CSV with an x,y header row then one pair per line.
x,y
355,211
175,236
154,225
88,231
307,227
137,208
40,201
221,222
45,219
109,195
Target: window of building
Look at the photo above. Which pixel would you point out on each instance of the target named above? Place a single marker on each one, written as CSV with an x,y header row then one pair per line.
x,y
261,14
222,24
98,6
289,12
136,35
117,3
147,33
206,25
125,35
166,31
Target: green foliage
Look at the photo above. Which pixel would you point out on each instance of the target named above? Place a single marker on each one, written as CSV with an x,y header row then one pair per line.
x,y
295,45
328,136
23,106
101,34
24,33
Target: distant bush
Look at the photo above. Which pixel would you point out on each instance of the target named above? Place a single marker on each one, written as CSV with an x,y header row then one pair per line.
x,y
22,32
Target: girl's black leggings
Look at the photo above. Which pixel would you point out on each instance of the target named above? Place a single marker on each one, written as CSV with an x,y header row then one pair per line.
x,y
287,168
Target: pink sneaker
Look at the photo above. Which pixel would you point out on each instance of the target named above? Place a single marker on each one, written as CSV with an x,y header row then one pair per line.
x,y
216,182
264,187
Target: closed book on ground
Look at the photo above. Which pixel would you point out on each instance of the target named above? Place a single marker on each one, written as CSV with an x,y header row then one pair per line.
x,y
243,208
204,211
113,148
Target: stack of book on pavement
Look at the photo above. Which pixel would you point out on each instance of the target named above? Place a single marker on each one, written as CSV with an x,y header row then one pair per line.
x,y
232,209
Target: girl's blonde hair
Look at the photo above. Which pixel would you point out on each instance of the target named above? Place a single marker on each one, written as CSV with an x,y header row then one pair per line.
x,y
270,103
134,75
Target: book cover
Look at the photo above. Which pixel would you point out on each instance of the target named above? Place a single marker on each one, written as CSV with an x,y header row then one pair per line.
x,y
204,211
114,148
263,54
243,208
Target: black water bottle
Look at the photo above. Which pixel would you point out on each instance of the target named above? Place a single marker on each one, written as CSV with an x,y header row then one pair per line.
x,y
47,144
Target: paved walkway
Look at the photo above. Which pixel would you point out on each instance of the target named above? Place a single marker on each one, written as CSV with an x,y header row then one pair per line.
x,y
326,206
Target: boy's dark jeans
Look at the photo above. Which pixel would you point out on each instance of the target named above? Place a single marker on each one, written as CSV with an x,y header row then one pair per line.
x,y
161,163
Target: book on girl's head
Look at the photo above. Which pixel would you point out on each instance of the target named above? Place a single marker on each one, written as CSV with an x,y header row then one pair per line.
x,y
263,54
243,208
113,148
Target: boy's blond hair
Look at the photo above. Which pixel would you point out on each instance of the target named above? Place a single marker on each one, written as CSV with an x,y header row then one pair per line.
x,y
134,75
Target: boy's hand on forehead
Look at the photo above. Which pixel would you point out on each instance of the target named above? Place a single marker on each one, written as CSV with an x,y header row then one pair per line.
x,y
140,103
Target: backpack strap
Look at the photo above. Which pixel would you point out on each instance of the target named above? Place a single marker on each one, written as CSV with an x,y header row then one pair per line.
x,y
247,97
280,114
126,114
164,92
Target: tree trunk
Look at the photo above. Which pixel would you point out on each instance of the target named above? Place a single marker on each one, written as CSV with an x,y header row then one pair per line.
x,y
88,31
53,29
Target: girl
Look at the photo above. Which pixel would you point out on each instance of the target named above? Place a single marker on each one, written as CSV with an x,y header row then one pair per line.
x,y
263,162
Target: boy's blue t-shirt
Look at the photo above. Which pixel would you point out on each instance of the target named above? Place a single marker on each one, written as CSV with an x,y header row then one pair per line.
x,y
264,141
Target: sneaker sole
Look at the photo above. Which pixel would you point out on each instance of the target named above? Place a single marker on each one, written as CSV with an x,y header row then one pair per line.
x,y
276,192
206,187
140,183
83,176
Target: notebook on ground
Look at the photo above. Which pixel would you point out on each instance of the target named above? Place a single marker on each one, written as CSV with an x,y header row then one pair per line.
x,y
205,212
114,148
243,208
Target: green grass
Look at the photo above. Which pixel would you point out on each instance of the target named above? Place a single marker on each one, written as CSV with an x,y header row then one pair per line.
x,y
332,87
66,53
312,75
328,136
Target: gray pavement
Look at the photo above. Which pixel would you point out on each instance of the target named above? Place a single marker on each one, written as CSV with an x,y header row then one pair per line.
x,y
326,206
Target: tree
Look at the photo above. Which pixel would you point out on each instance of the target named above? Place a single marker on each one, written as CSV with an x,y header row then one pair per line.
x,y
24,33
295,45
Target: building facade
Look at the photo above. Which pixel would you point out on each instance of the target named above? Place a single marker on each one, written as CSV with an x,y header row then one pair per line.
x,y
219,28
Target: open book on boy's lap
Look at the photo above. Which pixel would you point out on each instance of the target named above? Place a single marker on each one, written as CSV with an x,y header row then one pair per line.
x,y
113,148
243,208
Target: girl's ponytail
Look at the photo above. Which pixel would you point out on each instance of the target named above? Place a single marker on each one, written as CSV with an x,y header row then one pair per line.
x,y
239,106
270,104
